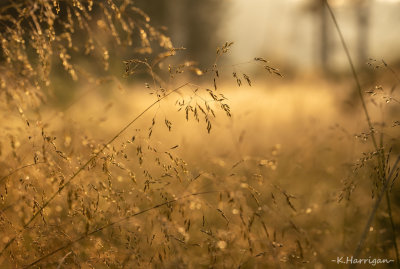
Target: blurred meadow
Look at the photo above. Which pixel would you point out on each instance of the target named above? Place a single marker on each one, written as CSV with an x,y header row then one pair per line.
x,y
199,134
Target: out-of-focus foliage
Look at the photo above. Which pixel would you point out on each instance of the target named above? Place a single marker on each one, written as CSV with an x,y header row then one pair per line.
x,y
41,37
191,24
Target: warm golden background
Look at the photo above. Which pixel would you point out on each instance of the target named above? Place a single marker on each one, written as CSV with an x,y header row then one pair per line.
x,y
251,154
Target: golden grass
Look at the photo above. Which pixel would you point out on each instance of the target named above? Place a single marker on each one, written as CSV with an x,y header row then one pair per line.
x,y
284,160
217,171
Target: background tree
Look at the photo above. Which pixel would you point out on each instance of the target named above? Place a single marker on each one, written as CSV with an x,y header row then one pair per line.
x,y
362,11
191,24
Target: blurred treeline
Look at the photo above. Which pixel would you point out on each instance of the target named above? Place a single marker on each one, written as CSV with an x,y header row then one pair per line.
x,y
297,35
191,24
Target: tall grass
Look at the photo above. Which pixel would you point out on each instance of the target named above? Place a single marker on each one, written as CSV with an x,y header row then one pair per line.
x,y
112,180
385,174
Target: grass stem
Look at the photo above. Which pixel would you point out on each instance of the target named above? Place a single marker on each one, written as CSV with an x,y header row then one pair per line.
x,y
62,187
379,150
86,235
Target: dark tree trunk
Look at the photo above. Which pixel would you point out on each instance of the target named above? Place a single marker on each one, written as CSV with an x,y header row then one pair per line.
x,y
362,13
324,36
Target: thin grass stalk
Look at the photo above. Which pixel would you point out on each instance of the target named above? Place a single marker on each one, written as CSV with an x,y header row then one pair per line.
x,y
17,169
381,161
61,188
396,76
374,209
389,208
354,73
381,158
393,228
63,259
86,235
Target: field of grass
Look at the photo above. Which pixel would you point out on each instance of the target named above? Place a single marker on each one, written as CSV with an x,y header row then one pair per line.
x,y
278,184
218,169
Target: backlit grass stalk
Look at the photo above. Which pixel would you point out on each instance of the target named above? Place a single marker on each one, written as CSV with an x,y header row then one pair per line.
x,y
17,169
375,208
381,157
86,235
62,187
